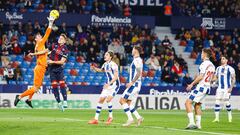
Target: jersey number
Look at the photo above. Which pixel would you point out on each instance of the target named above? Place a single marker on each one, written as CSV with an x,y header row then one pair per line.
x,y
209,76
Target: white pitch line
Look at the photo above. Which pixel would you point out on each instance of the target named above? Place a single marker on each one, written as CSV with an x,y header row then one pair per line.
x,y
159,127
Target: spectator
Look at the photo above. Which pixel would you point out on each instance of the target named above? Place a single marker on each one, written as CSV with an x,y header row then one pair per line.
x,y
109,8
174,78
180,33
166,76
166,42
16,49
116,59
127,10
92,57
153,63
147,47
116,47
95,8
62,7
186,80
238,73
168,8
176,68
9,74
18,74
28,47
28,3
71,7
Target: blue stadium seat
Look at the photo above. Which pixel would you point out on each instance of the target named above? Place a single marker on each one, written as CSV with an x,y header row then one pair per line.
x,y
206,43
198,60
12,82
188,49
19,58
145,67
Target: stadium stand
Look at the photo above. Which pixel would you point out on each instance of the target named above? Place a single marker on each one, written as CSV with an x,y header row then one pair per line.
x,y
87,44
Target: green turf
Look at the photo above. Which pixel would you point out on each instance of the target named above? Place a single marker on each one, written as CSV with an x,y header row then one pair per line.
x,y
74,122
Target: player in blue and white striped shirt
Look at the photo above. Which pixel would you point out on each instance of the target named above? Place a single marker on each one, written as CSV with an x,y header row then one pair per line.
x,y
133,88
110,89
225,75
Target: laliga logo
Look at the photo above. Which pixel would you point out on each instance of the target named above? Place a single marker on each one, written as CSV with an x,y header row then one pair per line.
x,y
10,16
109,20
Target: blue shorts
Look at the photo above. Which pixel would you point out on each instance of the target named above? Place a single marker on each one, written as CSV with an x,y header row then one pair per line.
x,y
131,93
198,94
56,74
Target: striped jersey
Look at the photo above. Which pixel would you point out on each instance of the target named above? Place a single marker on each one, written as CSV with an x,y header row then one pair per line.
x,y
109,68
224,74
137,63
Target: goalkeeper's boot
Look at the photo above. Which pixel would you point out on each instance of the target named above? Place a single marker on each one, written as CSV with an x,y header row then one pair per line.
x,y
16,100
29,103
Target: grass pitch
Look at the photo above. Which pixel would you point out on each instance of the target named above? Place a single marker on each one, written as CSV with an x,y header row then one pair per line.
x,y
74,122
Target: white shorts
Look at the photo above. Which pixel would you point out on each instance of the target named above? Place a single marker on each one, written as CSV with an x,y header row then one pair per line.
x,y
110,91
199,93
131,93
222,94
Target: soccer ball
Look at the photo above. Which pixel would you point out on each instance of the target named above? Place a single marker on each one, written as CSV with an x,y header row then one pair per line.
x,y
54,13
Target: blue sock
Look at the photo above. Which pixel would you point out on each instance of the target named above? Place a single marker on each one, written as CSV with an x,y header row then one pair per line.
x,y
64,93
56,94
228,107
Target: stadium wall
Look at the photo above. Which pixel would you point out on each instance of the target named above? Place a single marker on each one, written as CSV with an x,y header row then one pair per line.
x,y
86,97
74,19
224,24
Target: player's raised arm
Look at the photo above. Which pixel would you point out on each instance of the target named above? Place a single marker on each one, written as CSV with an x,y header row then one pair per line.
x,y
49,29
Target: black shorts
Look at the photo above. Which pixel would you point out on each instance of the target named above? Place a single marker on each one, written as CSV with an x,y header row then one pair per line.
x,y
56,73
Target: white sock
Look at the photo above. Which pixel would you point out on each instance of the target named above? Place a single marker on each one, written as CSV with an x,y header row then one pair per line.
x,y
217,115
191,118
198,120
134,112
229,110
229,114
127,111
98,110
110,109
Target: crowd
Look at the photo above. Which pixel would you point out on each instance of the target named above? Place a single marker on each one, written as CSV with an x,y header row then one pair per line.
x,y
209,8
66,6
89,44
226,44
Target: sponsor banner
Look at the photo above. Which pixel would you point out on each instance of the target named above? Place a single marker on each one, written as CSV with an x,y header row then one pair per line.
x,y
93,89
89,101
177,22
74,19
140,2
